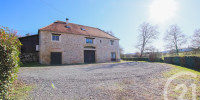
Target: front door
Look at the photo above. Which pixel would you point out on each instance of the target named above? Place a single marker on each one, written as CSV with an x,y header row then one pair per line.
x,y
56,58
89,56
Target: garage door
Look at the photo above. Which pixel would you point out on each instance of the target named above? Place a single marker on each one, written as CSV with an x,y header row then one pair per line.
x,y
89,56
56,58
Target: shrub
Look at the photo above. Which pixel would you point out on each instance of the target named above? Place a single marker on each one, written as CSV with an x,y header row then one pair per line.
x,y
155,57
9,60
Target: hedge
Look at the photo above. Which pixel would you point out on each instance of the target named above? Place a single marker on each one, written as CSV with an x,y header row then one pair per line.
x,y
191,62
9,60
136,59
143,59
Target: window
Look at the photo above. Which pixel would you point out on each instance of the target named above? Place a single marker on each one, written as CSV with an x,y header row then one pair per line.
x,y
111,42
89,40
55,37
37,47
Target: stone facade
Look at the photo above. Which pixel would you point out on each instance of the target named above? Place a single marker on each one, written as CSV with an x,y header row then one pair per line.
x,y
72,47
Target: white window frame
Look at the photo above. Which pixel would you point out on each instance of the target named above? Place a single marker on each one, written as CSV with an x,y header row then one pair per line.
x,y
37,47
56,35
89,42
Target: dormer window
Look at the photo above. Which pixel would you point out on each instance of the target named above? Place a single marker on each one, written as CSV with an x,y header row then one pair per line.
x,y
55,37
67,26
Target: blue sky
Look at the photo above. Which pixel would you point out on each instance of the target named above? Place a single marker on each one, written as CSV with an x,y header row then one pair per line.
x,y
122,17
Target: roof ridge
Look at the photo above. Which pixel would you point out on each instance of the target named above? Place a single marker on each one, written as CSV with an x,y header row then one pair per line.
x,y
46,26
28,36
58,21
98,29
58,26
107,33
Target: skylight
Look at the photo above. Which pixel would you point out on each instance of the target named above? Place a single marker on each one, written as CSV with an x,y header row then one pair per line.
x,y
67,26
83,29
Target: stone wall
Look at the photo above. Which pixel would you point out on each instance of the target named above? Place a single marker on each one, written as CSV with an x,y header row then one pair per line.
x,y
29,57
72,48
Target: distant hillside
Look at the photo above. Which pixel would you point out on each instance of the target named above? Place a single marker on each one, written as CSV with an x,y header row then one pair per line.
x,y
180,50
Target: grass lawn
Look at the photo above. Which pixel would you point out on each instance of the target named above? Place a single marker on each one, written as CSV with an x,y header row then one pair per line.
x,y
20,91
32,64
187,80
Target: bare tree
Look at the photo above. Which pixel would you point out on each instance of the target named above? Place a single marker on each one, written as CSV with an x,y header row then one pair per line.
x,y
137,54
196,39
147,33
174,38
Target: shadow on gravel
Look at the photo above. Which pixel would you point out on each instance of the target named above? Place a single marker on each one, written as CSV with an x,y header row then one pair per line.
x,y
36,64
109,66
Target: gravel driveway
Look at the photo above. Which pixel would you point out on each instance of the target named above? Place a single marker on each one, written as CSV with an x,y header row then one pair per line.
x,y
120,81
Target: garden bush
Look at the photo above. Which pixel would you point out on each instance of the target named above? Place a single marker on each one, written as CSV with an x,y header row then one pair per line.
x,y
9,60
155,57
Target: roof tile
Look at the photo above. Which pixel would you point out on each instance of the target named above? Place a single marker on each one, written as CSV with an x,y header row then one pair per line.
x,y
60,26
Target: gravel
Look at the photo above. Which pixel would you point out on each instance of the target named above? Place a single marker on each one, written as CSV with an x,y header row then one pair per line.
x,y
119,81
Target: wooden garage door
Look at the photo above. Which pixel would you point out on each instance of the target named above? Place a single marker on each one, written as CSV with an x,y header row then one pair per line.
x,y
56,58
89,56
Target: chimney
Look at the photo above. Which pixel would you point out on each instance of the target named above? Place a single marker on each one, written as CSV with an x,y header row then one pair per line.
x,y
67,21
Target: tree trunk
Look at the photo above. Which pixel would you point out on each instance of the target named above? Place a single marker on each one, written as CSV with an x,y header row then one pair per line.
x,y
141,53
177,50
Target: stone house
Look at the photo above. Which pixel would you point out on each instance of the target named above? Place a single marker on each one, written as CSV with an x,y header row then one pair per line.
x,y
68,43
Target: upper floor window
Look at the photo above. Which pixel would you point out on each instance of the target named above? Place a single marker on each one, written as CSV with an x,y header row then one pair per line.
x,y
89,40
55,37
111,42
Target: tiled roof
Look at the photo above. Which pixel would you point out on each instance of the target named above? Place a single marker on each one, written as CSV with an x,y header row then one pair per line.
x,y
60,26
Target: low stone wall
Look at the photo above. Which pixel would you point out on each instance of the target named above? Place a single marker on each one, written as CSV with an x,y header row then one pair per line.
x,y
29,57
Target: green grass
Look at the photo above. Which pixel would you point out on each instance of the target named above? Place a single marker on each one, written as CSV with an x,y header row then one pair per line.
x,y
180,80
176,69
124,61
32,64
20,91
